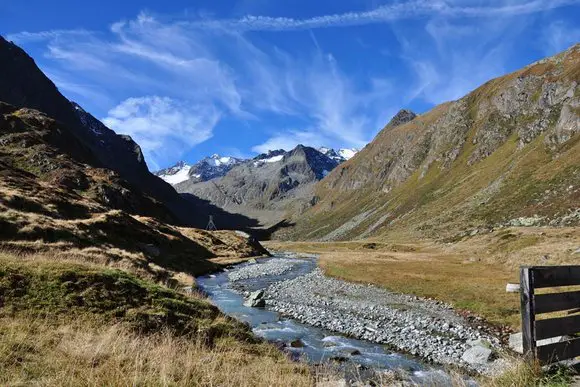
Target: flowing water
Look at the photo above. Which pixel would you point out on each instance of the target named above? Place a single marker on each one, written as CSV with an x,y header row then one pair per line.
x,y
317,345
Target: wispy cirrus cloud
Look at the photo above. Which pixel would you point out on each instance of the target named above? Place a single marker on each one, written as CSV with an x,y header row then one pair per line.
x,y
387,13
210,71
161,123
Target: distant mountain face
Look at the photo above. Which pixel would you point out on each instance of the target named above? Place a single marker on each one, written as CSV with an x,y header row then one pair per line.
x,y
204,170
506,154
268,185
217,166
340,155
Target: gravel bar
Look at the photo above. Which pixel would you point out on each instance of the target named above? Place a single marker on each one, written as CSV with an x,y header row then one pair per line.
x,y
429,329
261,269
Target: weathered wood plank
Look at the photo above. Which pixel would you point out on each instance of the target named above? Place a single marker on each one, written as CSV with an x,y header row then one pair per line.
x,y
558,351
546,303
557,327
551,276
527,311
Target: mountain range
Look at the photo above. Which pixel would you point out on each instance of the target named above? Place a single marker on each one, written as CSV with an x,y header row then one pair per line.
x,y
270,187
217,166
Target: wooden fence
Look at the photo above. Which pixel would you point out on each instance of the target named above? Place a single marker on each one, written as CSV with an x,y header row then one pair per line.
x,y
538,277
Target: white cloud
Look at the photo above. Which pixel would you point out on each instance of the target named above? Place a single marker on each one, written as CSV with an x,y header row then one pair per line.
x,y
388,13
164,128
559,36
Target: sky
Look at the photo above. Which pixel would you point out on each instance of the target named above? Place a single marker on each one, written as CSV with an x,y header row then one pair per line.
x,y
187,79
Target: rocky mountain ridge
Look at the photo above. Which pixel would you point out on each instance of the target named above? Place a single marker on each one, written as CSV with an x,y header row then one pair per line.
x,y
508,150
215,165
24,85
268,186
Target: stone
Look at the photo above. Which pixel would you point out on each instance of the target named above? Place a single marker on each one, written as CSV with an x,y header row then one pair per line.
x,y
512,288
256,299
256,295
476,355
252,260
296,343
516,342
259,303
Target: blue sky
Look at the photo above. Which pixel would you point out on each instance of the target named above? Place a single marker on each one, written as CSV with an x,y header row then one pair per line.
x,y
187,79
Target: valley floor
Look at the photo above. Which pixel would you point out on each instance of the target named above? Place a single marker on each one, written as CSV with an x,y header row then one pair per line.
x,y
471,274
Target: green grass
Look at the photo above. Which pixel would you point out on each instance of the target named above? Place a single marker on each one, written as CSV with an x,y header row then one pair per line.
x,y
46,288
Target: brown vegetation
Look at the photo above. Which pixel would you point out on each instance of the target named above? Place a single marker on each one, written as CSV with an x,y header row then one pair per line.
x,y
471,273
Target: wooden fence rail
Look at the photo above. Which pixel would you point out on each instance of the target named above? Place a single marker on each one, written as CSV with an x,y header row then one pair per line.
x,y
537,277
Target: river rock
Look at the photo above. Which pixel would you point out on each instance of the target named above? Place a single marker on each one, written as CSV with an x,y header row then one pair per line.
x,y
256,299
256,295
516,342
476,355
296,343
259,303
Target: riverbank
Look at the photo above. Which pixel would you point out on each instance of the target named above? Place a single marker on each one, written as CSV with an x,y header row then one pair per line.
x,y
427,329
469,273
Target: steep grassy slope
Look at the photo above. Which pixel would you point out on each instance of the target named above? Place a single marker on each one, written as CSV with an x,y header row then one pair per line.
x,y
509,149
72,324
53,199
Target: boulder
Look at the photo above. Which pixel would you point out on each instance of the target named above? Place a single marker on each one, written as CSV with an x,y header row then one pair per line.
x,y
259,303
256,299
256,295
478,343
476,355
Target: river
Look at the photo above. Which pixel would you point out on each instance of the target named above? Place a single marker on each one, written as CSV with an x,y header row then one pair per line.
x,y
312,344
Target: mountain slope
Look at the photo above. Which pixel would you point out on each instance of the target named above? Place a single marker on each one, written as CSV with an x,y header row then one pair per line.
x,y
267,187
22,84
507,153
53,198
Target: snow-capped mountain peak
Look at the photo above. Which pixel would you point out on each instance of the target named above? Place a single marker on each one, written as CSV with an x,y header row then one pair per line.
x,y
216,165
205,169
347,153
175,174
341,155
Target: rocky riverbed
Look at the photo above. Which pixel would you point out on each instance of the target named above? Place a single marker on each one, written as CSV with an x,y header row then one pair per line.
x,y
425,328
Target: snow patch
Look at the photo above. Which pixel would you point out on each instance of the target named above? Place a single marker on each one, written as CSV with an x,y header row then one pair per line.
x,y
347,153
177,177
273,159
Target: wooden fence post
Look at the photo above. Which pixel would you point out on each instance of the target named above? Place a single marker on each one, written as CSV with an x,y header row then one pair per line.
x,y
528,312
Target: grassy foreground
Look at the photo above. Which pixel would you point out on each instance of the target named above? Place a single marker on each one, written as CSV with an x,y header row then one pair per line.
x,y
72,324
471,274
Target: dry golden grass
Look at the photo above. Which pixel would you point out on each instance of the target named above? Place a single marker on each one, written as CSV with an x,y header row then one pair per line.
x,y
81,353
65,322
471,274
